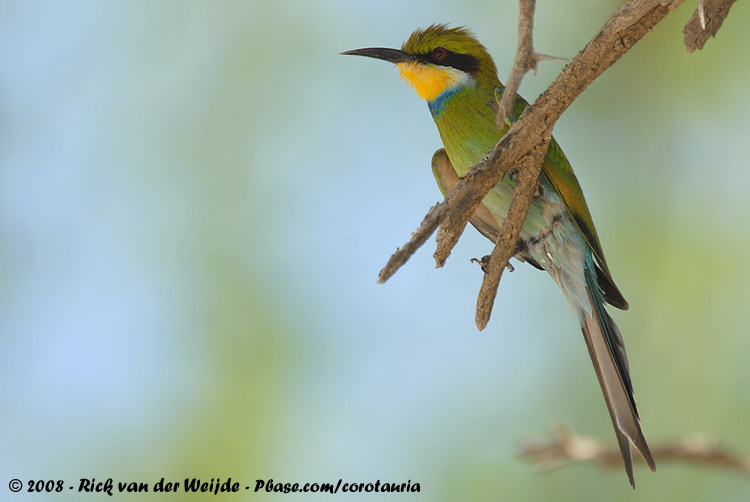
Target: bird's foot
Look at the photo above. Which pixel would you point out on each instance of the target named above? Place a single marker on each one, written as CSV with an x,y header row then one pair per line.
x,y
485,260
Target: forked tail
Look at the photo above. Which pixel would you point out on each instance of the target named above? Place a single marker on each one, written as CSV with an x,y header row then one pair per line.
x,y
611,364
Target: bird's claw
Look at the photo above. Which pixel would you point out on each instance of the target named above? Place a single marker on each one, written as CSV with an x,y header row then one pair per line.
x,y
485,260
482,262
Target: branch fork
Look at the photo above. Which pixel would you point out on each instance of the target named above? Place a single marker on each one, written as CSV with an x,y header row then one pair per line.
x,y
525,143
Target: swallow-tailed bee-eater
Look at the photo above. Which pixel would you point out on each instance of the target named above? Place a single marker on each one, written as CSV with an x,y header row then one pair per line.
x,y
455,74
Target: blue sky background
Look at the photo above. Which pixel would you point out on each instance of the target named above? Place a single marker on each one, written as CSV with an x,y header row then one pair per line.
x,y
196,199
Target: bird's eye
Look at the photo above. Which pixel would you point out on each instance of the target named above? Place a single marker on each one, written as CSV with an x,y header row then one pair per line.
x,y
439,53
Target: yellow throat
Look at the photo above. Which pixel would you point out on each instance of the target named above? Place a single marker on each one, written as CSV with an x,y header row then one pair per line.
x,y
431,81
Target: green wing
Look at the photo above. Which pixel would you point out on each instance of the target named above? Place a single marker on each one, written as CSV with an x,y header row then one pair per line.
x,y
560,174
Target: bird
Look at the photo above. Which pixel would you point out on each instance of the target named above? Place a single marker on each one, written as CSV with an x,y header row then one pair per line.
x,y
455,74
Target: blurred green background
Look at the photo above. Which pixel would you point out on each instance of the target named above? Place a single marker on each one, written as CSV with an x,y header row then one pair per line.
x,y
196,199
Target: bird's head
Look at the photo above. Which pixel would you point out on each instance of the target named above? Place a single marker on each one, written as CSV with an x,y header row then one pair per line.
x,y
438,59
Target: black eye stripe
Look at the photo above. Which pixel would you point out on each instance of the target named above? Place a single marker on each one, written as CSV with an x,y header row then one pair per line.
x,y
463,62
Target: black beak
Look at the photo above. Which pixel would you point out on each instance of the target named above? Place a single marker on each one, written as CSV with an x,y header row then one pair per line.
x,y
391,55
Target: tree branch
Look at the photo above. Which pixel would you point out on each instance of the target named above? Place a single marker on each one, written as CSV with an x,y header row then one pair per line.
x,y
528,176
521,145
708,17
529,169
567,448
626,26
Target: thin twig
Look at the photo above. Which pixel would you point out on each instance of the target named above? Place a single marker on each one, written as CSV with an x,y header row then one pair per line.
x,y
567,447
526,59
705,22
429,224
